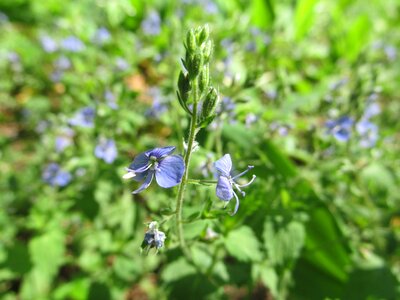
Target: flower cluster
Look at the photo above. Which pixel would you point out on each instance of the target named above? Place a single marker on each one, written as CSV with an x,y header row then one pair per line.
x,y
55,176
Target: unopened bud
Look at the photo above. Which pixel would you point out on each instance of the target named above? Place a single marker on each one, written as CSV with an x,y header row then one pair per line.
x,y
207,50
204,34
191,41
196,64
210,103
204,78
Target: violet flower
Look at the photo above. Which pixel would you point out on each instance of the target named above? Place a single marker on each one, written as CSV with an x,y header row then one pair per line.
x,y
340,128
151,25
48,44
106,150
368,132
84,117
55,176
101,36
64,139
72,44
168,169
226,181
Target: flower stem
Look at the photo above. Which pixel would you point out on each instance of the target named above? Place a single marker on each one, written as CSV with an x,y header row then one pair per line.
x,y
182,187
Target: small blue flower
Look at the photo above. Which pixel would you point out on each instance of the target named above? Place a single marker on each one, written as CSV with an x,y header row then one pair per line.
x,y
83,118
73,44
48,44
368,133
152,24
64,140
55,176
153,238
62,63
159,106
101,36
340,128
373,109
168,169
121,64
110,99
226,181
106,150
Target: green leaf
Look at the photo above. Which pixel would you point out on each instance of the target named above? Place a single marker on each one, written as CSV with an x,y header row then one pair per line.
x,y
304,17
177,269
262,13
243,244
280,161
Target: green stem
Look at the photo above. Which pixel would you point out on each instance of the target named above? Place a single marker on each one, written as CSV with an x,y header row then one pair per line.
x,y
184,182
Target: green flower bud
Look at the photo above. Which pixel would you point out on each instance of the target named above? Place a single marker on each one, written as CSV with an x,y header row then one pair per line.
x,y
191,41
204,78
184,86
195,65
204,34
207,50
210,104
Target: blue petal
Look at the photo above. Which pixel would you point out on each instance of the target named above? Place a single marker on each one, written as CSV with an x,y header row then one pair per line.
x,y
161,152
224,165
170,171
140,162
145,184
224,189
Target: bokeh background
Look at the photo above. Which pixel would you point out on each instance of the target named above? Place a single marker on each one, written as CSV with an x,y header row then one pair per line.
x,y
309,96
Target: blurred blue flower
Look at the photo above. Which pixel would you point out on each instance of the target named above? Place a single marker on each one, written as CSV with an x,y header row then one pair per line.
x,y
3,18
106,150
158,106
121,64
168,169
84,117
372,109
55,176
151,25
65,139
391,52
226,181
250,119
62,63
49,45
340,128
210,7
101,36
368,132
56,75
153,238
73,44
110,99
13,57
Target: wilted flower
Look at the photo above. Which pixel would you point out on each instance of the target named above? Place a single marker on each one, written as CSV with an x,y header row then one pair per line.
x,y
101,36
49,45
55,176
153,238
340,128
368,133
151,25
168,169
73,44
226,181
106,150
83,118
64,139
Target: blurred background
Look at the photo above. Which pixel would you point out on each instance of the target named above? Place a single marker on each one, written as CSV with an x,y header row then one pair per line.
x,y
309,96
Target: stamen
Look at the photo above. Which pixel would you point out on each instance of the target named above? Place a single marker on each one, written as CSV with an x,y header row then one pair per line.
x,y
129,174
142,169
238,188
244,172
250,182
237,204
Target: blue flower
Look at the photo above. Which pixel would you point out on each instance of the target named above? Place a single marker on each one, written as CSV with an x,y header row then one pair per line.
x,y
152,24
110,99
101,36
340,128
48,44
106,150
121,64
72,44
84,117
368,133
168,169
226,181
158,106
55,176
153,238
372,110
64,140
62,63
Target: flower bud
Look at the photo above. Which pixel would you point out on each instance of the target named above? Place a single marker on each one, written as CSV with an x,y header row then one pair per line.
x,y
204,78
195,64
210,104
204,34
184,86
207,49
191,41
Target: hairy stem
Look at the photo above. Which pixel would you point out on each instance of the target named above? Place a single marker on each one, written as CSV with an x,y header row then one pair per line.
x,y
184,182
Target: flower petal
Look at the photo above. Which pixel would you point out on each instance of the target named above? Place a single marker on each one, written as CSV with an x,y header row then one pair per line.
x,y
161,152
170,171
224,165
145,184
140,162
224,189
